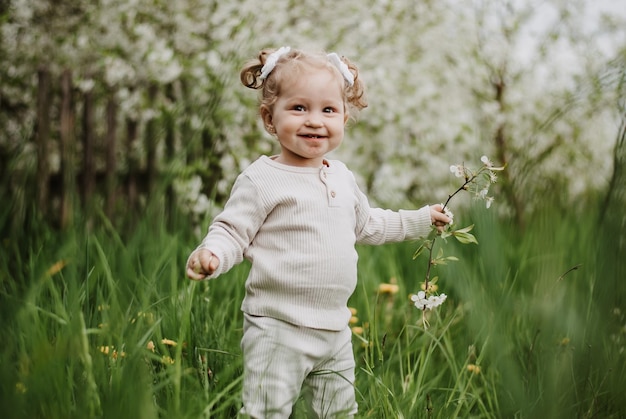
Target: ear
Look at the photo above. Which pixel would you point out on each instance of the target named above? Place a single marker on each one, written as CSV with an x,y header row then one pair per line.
x,y
266,116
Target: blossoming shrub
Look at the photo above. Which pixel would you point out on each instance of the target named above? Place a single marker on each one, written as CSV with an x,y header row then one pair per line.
x,y
443,79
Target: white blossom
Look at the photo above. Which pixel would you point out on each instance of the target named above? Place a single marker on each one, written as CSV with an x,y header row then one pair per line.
x,y
427,303
458,170
425,104
449,213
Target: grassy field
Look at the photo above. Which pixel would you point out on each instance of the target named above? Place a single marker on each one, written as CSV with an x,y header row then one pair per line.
x,y
102,323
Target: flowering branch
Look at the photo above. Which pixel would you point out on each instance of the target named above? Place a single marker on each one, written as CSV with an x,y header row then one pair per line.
x,y
477,182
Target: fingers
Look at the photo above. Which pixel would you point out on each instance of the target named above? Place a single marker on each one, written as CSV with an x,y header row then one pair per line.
x,y
191,274
437,207
201,264
214,262
438,217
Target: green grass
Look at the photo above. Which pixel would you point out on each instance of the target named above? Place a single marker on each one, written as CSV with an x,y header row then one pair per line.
x,y
88,316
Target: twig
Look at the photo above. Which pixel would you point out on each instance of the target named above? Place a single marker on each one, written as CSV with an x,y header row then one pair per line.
x,y
573,268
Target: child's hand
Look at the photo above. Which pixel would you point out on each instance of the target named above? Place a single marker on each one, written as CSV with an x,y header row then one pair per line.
x,y
438,218
201,264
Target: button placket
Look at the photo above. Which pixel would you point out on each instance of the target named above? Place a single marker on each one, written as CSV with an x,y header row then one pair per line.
x,y
330,190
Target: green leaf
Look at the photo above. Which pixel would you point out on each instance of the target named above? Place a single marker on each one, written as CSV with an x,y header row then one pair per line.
x,y
465,238
464,230
439,261
421,249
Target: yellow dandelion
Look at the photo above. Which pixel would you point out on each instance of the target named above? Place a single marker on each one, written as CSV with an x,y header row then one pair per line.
x,y
390,289
353,311
473,368
56,268
20,388
150,346
168,342
357,330
167,360
354,320
105,349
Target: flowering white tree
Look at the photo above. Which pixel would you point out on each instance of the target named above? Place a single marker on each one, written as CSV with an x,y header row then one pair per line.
x,y
444,80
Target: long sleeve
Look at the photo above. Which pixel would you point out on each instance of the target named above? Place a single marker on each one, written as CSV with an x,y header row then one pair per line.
x,y
298,227
377,226
235,227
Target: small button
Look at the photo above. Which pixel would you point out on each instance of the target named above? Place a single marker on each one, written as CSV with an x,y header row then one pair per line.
x,y
333,193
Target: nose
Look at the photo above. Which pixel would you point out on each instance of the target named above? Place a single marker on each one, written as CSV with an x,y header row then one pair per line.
x,y
313,123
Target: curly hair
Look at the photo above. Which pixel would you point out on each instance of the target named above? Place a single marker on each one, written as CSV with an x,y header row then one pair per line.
x,y
289,66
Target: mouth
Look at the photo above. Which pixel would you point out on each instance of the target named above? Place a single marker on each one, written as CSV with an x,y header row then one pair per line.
x,y
312,136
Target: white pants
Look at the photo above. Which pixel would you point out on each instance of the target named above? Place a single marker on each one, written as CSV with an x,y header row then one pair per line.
x,y
281,359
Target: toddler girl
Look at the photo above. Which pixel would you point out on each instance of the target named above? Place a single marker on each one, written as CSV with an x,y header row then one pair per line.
x,y
297,217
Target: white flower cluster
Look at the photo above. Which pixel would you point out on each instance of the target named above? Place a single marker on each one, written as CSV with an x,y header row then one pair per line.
x,y
478,182
427,303
197,48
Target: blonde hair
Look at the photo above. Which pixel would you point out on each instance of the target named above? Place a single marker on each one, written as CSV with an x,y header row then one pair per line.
x,y
291,65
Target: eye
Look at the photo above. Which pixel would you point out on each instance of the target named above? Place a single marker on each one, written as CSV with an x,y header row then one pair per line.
x,y
299,108
329,109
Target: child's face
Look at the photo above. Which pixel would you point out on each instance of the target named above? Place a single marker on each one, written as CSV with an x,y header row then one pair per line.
x,y
308,118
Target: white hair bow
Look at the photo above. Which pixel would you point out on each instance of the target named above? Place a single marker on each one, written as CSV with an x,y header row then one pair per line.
x,y
273,58
271,61
343,68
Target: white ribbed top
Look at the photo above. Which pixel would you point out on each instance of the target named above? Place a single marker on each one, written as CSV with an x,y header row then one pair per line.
x,y
298,226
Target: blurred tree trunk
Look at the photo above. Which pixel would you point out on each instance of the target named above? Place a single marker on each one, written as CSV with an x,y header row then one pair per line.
x,y
192,147
68,147
502,153
613,216
42,139
151,144
89,170
170,150
133,164
616,197
111,158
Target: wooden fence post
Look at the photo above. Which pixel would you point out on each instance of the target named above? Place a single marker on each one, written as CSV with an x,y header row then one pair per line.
x,y
170,153
89,170
68,173
151,144
111,158
133,164
42,138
